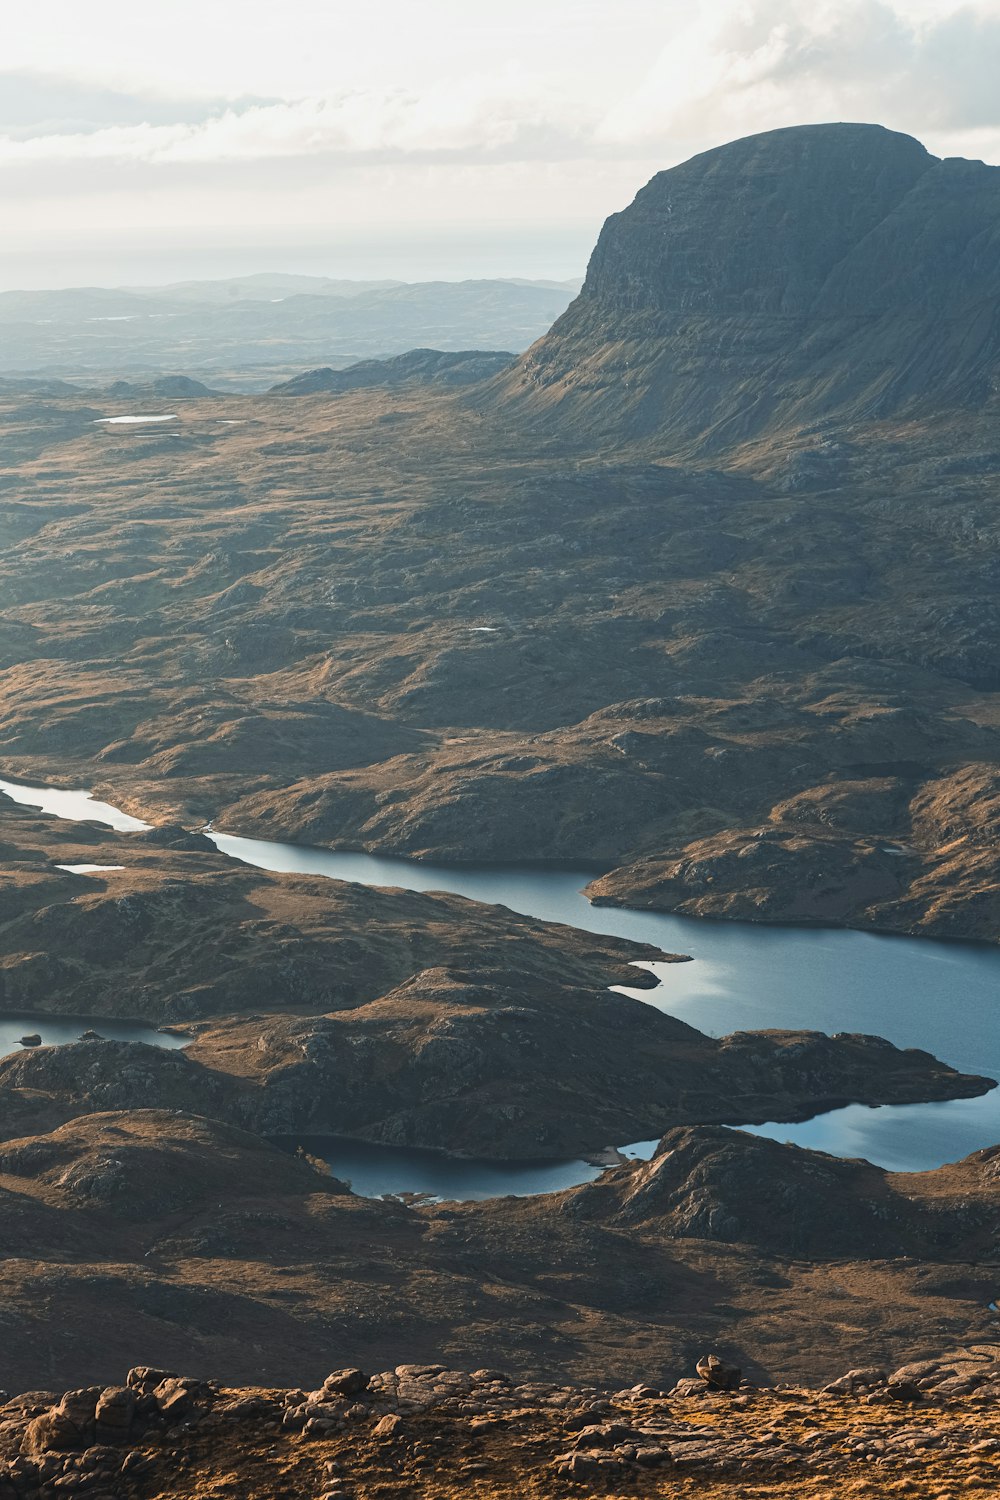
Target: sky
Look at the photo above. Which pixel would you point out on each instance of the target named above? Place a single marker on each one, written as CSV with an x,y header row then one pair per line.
x,y
420,138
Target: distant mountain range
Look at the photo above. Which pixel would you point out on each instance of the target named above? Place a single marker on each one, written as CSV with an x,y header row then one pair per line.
x,y
252,331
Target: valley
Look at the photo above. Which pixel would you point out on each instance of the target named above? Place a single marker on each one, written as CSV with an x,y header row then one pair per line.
x,y
694,604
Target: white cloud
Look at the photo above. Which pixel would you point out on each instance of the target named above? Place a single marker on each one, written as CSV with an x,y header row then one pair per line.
x,y
738,68
549,111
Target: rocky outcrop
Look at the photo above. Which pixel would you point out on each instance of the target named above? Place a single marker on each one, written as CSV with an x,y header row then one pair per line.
x,y
484,1426
910,857
180,933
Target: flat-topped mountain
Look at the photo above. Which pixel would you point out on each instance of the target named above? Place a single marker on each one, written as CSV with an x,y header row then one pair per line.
x,y
822,271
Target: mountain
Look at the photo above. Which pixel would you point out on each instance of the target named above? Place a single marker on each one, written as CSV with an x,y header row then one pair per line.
x,y
814,274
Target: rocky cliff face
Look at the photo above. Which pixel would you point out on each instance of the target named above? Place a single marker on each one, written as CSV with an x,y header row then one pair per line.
x,y
823,271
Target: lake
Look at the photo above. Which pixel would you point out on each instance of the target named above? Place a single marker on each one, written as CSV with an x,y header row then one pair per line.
x,y
135,421
944,998
56,1030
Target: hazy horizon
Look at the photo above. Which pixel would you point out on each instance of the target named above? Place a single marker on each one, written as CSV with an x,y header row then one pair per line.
x,y
430,143
448,255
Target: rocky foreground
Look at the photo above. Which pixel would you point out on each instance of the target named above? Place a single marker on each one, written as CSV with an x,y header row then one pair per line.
x,y
931,1428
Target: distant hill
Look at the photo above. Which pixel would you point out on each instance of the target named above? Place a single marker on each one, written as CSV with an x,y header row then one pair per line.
x,y
824,272
256,330
265,286
418,366
174,387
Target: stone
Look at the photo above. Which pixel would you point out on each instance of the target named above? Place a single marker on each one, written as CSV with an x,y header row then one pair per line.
x,y
588,1465
345,1383
114,1413
904,1390
959,1385
387,1427
856,1380
147,1378
919,1370
717,1374
688,1387
606,1436
651,1458
51,1433
173,1399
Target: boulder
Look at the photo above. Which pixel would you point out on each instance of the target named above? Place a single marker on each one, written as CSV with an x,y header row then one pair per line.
x,y
345,1383
717,1374
114,1413
146,1378
52,1432
173,1399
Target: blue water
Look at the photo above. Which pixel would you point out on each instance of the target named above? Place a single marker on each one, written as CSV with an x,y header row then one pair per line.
x,y
944,998
378,1171
57,1030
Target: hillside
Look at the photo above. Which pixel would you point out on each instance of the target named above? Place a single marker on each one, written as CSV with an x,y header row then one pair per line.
x,y
163,1237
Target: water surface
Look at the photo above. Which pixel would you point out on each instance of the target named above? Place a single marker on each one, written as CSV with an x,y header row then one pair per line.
x,y
170,416
943,998
76,807
376,1171
55,1031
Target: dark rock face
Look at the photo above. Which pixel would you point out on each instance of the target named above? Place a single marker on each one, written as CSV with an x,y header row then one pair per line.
x,y
756,226
815,272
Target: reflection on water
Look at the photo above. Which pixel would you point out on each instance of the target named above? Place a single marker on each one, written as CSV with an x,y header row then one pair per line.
x,y
943,998
55,1031
902,1137
374,1171
76,807
170,416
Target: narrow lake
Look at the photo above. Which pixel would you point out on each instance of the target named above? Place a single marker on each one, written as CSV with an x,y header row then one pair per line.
x,y
942,997
134,421
56,1030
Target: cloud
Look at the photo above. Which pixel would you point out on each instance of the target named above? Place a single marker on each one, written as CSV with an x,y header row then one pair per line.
x,y
745,67
730,70
552,113
42,104
473,116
